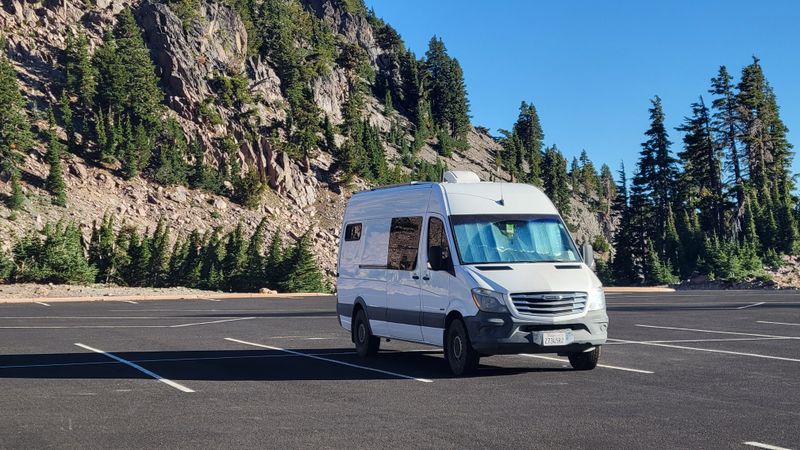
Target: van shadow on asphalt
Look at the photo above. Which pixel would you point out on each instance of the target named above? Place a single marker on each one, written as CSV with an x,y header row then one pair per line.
x,y
243,365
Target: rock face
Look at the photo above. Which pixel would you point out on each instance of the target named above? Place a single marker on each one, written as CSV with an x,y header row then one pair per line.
x,y
189,55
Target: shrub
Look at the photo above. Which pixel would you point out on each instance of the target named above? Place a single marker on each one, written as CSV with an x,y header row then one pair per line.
x,y
55,256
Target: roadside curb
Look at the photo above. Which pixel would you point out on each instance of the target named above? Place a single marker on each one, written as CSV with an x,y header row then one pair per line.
x,y
127,298
623,290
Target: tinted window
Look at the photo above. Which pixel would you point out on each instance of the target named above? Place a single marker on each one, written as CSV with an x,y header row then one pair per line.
x,y
404,243
438,250
352,232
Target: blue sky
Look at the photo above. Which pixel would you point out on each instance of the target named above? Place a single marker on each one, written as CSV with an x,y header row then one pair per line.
x,y
591,67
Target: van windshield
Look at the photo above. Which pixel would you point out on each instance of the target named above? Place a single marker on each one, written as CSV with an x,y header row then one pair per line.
x,y
483,239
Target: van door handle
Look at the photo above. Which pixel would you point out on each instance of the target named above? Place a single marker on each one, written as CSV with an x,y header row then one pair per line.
x,y
426,278
416,277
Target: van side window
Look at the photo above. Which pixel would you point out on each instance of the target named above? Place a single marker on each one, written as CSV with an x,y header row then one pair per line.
x,y
352,232
438,249
404,243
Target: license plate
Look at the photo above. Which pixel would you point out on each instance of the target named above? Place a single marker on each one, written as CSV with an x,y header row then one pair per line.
x,y
556,337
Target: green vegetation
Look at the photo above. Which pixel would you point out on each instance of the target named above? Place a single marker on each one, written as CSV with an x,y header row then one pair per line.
x,y
215,260
55,176
15,129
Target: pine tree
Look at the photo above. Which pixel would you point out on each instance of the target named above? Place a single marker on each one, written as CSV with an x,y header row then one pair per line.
x,y
304,274
55,177
724,122
233,265
69,121
169,159
448,96
15,129
102,249
588,175
702,175
274,264
554,174
159,255
531,136
608,190
81,77
624,266
254,261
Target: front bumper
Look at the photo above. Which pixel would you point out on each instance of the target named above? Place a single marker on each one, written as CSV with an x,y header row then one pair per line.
x,y
502,333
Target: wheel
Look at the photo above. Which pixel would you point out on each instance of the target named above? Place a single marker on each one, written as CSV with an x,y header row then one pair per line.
x,y
366,343
462,358
585,360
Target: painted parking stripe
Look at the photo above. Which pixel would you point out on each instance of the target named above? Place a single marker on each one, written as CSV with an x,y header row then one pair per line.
x,y
677,341
698,330
210,322
762,445
131,302
752,305
307,355
779,323
709,350
605,366
42,303
158,377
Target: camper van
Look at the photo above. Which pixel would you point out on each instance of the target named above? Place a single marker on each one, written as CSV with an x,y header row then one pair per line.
x,y
476,268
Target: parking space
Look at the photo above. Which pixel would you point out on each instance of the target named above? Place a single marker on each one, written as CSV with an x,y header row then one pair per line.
x,y
681,370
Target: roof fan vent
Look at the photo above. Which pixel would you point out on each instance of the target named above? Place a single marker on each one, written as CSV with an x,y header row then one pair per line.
x,y
460,176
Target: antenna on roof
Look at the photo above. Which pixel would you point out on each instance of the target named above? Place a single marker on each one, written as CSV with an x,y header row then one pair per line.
x,y
502,201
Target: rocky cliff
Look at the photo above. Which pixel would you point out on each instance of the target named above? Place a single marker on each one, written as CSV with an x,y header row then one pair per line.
x,y
188,55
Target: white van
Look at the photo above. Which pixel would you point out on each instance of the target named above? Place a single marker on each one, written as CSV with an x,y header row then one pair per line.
x,y
474,267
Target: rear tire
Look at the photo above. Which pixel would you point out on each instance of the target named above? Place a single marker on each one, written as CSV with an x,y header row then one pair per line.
x,y
585,360
366,343
462,358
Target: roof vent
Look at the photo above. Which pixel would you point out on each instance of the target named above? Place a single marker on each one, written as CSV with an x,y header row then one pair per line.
x,y
460,176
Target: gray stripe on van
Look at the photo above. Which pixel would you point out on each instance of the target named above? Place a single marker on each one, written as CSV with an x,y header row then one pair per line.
x,y
402,316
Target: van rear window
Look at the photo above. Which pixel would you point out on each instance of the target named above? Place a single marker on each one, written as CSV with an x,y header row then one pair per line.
x,y
352,232
404,243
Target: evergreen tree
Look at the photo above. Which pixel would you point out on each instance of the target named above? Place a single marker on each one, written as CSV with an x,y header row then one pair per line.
x,y
15,129
102,249
58,257
233,264
588,175
531,136
554,174
303,274
608,190
254,261
724,123
702,174
159,255
169,159
68,119
448,96
55,177
274,265
81,77
624,266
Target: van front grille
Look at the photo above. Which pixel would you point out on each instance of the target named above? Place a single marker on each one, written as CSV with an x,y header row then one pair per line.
x,y
549,303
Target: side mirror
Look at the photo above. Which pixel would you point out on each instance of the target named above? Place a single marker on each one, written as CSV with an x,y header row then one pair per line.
x,y
588,256
438,258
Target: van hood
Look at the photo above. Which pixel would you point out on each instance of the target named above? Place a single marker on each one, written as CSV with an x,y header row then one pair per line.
x,y
534,277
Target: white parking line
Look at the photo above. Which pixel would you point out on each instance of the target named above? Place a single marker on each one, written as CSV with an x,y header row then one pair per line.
x,y
727,352
158,377
717,331
131,302
212,299
605,366
778,323
750,306
762,445
676,341
307,355
208,323
42,303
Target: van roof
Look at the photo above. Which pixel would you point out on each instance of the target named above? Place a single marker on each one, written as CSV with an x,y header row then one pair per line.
x,y
478,198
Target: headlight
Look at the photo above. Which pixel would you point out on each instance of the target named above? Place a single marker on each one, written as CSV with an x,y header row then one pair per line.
x,y
489,301
597,300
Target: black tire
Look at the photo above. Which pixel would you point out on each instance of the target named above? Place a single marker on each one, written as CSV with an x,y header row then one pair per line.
x,y
585,360
366,343
462,358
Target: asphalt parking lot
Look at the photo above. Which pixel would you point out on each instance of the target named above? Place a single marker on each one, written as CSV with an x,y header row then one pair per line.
x,y
681,370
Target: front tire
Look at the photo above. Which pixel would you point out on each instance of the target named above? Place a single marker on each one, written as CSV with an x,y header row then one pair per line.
x,y
462,358
585,360
366,343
